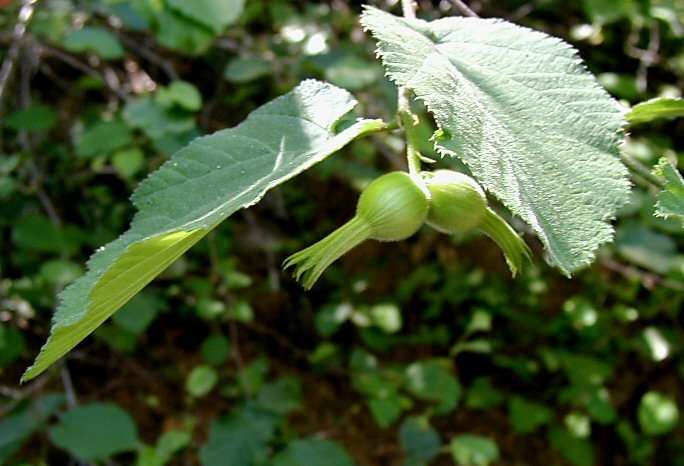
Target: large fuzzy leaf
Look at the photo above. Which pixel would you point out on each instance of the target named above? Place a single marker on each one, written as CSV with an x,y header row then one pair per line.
x,y
194,191
521,110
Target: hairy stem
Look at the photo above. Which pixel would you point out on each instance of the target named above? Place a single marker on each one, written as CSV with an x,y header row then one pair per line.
x,y
413,157
406,117
642,170
408,8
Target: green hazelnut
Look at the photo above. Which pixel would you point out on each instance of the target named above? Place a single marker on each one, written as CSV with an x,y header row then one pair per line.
x,y
457,202
394,206
391,208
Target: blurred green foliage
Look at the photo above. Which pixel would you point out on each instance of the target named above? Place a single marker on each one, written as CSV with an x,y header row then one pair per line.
x,y
421,352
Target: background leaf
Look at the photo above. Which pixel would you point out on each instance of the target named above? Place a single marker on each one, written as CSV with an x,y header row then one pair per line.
x,y
18,426
194,191
214,14
96,40
32,118
431,381
95,431
313,451
238,439
419,440
521,110
474,450
660,107
657,413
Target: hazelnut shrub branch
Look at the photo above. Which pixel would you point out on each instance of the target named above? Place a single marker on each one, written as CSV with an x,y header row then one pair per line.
x,y
517,106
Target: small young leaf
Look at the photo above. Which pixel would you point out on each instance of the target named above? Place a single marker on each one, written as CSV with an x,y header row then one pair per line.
x,y
419,440
577,451
671,199
214,14
431,381
657,413
660,107
474,450
313,451
526,416
483,395
215,349
19,425
239,438
180,93
243,70
201,380
523,112
94,39
33,118
281,396
194,191
104,137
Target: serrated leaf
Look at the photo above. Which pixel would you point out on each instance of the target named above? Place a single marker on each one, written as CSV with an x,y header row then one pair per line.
x,y
660,107
200,186
671,199
522,111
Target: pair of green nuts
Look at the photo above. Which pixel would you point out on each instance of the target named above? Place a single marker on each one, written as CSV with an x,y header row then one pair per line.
x,y
395,205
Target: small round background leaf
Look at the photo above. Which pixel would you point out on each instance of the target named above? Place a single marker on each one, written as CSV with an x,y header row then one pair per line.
x,y
95,431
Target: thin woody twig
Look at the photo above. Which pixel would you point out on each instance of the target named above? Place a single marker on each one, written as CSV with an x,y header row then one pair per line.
x,y
68,385
647,57
266,247
464,8
648,279
79,65
149,55
25,14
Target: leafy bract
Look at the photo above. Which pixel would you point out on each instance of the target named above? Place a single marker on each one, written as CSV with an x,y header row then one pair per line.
x,y
671,199
521,110
195,190
660,107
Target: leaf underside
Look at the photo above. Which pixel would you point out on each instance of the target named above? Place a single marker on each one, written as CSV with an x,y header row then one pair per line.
x,y
671,199
520,109
200,186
